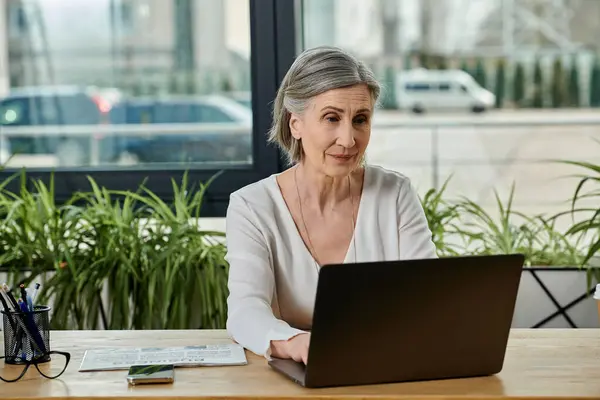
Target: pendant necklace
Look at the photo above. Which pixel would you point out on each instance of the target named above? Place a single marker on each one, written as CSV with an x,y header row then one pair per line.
x,y
312,248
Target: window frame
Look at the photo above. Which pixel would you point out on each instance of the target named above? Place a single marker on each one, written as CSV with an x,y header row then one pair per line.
x,y
272,38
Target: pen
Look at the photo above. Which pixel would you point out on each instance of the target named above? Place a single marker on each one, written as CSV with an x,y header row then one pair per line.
x,y
7,309
5,293
38,346
30,321
3,298
10,297
29,303
23,305
23,293
35,292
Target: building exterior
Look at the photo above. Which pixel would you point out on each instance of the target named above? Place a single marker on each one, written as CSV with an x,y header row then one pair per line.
x,y
4,74
150,46
157,45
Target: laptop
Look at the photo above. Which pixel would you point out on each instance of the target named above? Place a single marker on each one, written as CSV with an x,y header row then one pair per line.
x,y
409,320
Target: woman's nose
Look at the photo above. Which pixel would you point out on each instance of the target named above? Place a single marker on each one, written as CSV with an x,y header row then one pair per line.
x,y
346,136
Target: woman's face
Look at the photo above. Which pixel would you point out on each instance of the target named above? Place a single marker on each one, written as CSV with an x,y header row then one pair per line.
x,y
335,129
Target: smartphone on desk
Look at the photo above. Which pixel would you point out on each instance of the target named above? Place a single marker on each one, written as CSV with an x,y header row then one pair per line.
x,y
155,373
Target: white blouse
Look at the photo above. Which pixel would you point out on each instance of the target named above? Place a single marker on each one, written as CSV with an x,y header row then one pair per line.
x,y
273,276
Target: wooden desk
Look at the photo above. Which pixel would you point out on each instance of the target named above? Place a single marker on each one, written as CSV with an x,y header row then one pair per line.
x,y
539,363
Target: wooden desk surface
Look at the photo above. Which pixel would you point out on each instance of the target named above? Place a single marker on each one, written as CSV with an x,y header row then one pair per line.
x,y
539,363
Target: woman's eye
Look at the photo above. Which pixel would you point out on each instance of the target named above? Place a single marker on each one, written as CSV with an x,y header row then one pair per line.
x,y
360,120
331,118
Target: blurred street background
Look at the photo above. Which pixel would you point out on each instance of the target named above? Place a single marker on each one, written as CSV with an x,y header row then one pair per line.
x,y
485,91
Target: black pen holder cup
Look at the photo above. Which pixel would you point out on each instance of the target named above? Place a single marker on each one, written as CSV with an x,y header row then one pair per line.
x,y
26,335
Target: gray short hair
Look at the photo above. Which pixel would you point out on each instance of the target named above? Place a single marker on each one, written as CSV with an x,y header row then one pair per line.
x,y
313,72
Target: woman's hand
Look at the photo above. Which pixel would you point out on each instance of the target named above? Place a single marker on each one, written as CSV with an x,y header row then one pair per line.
x,y
295,348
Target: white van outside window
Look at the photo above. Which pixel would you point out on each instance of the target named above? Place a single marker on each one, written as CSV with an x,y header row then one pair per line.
x,y
421,90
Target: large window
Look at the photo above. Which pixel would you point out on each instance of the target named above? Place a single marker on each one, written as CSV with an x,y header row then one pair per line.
x,y
481,101
475,95
124,90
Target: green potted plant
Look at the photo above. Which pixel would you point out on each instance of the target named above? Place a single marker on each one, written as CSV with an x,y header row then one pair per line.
x,y
441,217
552,257
589,224
116,260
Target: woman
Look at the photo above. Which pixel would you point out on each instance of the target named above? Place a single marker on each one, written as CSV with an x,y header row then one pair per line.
x,y
329,207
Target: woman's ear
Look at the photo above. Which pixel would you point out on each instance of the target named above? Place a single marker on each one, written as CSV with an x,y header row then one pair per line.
x,y
295,125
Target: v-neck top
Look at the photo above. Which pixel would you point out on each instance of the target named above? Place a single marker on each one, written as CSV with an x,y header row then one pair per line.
x,y
272,274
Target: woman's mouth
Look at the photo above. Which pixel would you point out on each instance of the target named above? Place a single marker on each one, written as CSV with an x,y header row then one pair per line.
x,y
342,157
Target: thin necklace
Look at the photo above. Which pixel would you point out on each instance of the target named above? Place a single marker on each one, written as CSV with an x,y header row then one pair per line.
x,y
304,222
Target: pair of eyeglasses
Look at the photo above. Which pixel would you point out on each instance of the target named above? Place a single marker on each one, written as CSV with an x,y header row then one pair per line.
x,y
51,365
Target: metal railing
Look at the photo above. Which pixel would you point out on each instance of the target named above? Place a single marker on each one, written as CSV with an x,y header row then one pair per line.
x,y
96,135
400,129
442,129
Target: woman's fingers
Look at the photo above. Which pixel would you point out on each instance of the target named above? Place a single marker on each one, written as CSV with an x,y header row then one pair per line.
x,y
298,348
305,352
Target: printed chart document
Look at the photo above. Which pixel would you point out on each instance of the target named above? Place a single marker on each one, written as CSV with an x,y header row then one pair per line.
x,y
123,358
